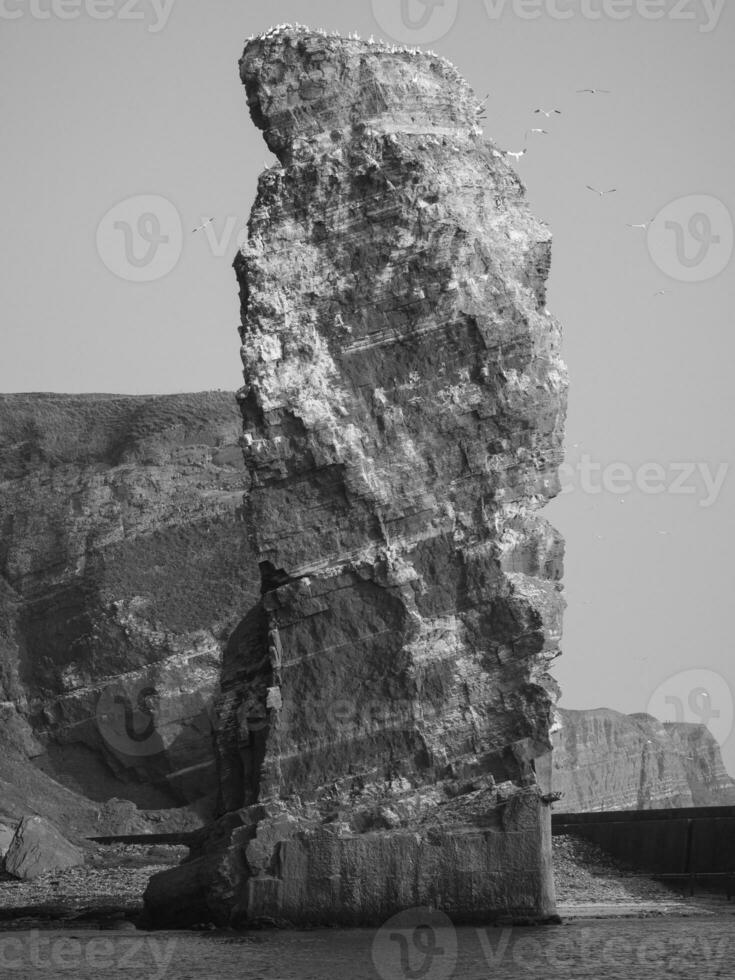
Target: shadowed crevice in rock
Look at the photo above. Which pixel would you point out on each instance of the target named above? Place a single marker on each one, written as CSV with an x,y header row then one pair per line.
x,y
242,720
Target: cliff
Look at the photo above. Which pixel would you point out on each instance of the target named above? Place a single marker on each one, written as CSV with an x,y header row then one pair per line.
x,y
605,760
384,703
123,572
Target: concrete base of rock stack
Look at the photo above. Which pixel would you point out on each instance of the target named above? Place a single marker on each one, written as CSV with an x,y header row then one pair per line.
x,y
280,869
383,705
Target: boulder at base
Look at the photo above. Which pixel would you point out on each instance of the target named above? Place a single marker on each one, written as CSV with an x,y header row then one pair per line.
x,y
6,836
38,847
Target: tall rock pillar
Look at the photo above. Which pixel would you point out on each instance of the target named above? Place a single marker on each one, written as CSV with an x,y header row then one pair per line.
x,y
403,409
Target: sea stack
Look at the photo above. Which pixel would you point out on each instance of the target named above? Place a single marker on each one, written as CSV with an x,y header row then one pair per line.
x,y
383,705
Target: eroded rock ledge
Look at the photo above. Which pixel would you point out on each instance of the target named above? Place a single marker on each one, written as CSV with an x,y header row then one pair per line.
x,y
382,707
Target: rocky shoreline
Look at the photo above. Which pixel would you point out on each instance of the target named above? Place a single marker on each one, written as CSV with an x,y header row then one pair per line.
x,y
108,888
107,892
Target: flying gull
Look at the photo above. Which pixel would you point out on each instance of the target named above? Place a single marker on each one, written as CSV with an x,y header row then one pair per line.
x,y
547,112
207,222
601,193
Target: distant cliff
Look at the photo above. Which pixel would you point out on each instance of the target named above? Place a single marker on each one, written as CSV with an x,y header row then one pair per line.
x,y
124,568
605,760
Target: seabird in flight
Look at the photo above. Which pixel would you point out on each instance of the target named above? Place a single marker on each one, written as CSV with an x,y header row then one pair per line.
x,y
207,222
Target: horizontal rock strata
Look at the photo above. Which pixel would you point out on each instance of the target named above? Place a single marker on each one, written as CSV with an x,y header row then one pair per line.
x,y
383,705
123,569
605,760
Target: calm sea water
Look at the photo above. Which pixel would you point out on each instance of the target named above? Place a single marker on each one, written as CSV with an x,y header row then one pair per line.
x,y
597,949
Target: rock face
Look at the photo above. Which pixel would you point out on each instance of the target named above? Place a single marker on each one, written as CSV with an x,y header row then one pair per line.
x,y
605,760
38,847
123,571
383,705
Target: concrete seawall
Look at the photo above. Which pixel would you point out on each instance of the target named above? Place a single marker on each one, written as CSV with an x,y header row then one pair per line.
x,y
686,842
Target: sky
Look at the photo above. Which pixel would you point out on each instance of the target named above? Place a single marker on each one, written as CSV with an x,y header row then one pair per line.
x,y
125,127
